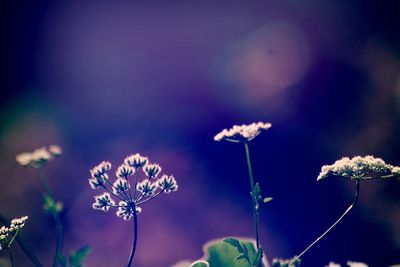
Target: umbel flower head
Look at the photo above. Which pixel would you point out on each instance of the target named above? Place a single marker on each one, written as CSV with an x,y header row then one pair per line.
x,y
8,234
128,188
360,168
39,157
242,133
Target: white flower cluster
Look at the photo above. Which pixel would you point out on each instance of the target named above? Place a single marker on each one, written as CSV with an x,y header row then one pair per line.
x,y
359,168
242,133
143,191
39,157
8,234
349,263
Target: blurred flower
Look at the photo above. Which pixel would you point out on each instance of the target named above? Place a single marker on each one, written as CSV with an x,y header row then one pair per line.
x,y
242,133
55,150
359,168
39,157
294,262
332,264
356,264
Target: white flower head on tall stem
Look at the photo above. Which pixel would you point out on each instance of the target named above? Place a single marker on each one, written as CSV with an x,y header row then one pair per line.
x,y
8,234
359,168
242,133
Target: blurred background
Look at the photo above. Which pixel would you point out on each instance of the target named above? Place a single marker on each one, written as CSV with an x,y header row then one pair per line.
x,y
104,79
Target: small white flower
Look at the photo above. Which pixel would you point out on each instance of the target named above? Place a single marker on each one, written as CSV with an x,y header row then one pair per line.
x,y
167,183
100,169
120,185
152,170
103,202
17,223
332,264
125,210
136,160
356,264
124,171
147,188
36,159
358,168
242,133
97,181
55,150
24,159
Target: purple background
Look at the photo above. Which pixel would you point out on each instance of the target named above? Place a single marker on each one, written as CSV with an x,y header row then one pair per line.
x,y
104,79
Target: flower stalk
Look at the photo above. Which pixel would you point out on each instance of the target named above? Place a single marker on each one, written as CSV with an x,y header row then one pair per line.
x,y
335,223
129,203
253,194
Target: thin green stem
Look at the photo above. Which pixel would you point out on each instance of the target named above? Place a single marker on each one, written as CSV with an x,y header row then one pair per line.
x,y
13,238
253,200
43,179
11,257
56,217
335,223
135,233
60,237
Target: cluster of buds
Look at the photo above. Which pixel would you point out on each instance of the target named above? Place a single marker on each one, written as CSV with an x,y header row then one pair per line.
x,y
294,262
39,157
129,200
360,168
8,234
242,133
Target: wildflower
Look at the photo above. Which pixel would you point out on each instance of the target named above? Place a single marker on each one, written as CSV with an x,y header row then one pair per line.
x,y
332,264
8,234
130,197
125,210
294,262
124,171
103,202
167,183
39,157
146,188
100,169
120,185
136,160
152,170
359,168
17,224
55,150
356,264
242,133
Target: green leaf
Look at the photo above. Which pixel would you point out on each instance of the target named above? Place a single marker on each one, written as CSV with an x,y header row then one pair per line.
x,y
51,206
225,253
76,258
267,199
200,264
258,257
